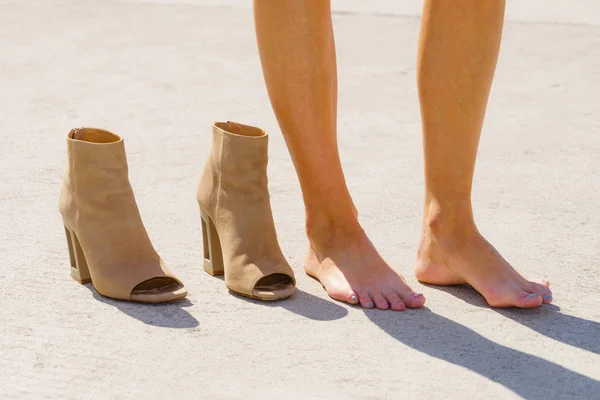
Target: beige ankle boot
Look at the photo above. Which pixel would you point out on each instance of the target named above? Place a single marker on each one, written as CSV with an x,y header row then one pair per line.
x,y
108,244
237,225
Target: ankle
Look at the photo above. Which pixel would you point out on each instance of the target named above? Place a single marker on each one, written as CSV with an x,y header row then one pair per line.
x,y
449,218
323,228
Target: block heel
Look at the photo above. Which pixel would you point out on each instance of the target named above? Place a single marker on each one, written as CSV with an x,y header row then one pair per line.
x,y
213,255
79,268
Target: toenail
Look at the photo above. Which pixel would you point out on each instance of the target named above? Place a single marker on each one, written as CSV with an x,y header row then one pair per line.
x,y
417,295
532,295
353,299
369,304
548,297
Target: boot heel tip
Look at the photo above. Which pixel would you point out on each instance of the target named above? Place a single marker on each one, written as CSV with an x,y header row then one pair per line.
x,y
211,271
77,278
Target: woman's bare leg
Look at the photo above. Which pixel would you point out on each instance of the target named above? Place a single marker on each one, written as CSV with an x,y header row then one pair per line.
x,y
295,40
458,51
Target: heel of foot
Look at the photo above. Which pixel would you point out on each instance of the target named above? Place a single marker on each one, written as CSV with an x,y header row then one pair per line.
x,y
436,274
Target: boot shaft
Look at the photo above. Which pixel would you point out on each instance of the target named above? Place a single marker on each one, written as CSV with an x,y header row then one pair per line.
x,y
96,158
244,155
96,182
237,165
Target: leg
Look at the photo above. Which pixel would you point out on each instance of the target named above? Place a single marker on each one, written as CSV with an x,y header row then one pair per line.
x,y
295,40
458,51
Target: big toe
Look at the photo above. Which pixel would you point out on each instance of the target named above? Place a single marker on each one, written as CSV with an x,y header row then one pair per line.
x,y
414,300
410,298
514,297
528,300
343,294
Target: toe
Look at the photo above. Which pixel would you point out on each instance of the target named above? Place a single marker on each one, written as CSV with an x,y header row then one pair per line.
x,y
417,300
547,291
542,289
352,298
380,301
547,297
395,301
410,298
529,300
365,300
343,294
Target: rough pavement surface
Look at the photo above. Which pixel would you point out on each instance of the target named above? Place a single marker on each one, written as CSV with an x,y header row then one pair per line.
x,y
159,75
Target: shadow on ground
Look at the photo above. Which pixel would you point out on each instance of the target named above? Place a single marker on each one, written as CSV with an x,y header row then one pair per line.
x,y
528,376
306,305
164,315
546,320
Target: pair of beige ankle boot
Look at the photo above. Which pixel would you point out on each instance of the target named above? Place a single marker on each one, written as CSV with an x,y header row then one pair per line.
x,y
108,243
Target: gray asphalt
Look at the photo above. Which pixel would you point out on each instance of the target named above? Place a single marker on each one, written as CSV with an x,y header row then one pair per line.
x,y
159,74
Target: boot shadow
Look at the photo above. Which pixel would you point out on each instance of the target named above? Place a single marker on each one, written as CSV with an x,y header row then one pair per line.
x,y
546,320
528,376
163,315
305,305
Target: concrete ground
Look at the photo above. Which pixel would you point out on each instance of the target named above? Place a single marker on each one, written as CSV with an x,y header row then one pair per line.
x,y
160,74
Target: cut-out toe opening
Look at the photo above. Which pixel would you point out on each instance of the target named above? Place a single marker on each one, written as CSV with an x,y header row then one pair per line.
x,y
274,287
158,290
274,282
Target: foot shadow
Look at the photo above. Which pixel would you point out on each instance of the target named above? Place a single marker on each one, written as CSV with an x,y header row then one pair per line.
x,y
546,320
305,305
528,376
163,315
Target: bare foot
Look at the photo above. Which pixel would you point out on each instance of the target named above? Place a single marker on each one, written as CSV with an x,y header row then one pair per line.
x,y
464,256
350,269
